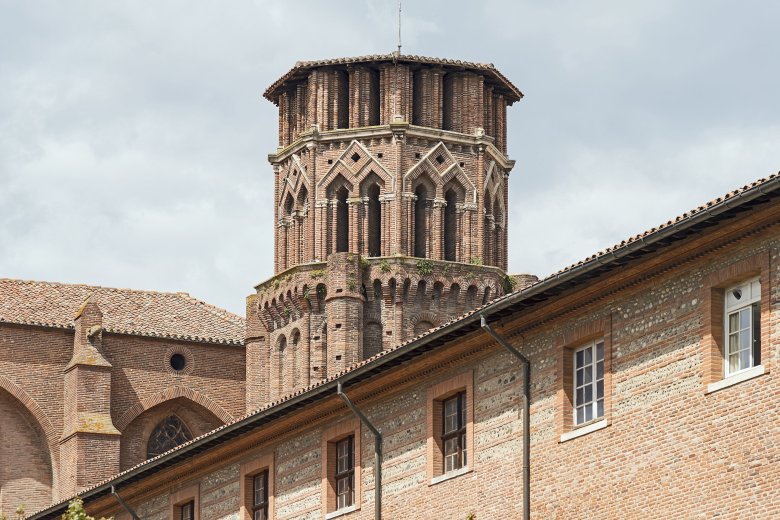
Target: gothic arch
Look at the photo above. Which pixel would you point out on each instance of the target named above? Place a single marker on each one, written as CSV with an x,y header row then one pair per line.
x,y
295,179
136,434
170,393
29,472
441,161
27,402
365,165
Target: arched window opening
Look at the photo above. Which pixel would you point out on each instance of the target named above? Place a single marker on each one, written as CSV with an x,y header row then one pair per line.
x,y
374,222
421,288
422,326
486,296
378,290
289,204
454,297
372,339
322,292
303,198
168,434
342,221
450,225
281,348
420,221
471,295
292,363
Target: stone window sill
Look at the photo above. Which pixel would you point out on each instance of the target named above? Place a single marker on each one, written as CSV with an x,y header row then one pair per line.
x,y
341,512
451,474
745,375
584,430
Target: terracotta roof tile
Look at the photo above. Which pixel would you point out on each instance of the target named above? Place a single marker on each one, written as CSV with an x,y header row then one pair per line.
x,y
125,311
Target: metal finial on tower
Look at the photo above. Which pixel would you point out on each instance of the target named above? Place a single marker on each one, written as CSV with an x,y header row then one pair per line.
x,y
399,28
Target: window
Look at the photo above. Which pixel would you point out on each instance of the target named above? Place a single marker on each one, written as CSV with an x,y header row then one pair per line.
x,y
341,471
583,378
589,382
184,503
742,326
450,421
260,496
735,316
187,511
454,432
168,434
345,473
257,488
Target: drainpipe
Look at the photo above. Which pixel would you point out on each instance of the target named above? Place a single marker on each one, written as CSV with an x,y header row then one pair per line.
x,y
526,414
377,452
124,504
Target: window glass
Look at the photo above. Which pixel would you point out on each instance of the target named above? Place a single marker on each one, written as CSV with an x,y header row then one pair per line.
x,y
743,326
454,432
345,473
260,496
589,382
188,511
168,434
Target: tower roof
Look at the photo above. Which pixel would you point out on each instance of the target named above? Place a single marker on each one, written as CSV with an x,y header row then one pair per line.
x,y
492,75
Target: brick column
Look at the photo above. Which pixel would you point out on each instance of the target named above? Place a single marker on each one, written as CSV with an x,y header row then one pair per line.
x,y
437,228
479,225
89,449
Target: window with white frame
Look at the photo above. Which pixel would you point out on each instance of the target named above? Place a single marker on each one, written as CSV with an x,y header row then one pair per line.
x,y
742,326
589,382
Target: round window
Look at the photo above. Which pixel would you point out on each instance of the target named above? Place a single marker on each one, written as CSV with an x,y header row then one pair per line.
x,y
178,362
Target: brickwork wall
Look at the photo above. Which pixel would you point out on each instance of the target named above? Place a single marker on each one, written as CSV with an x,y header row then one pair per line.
x,y
306,205
670,446
26,475
353,96
340,308
209,392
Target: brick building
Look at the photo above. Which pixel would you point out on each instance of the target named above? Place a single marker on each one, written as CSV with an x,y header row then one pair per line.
x,y
385,357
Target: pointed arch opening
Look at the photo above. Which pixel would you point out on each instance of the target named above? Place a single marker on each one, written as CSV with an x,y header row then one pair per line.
x,y
374,221
420,221
169,433
342,220
450,225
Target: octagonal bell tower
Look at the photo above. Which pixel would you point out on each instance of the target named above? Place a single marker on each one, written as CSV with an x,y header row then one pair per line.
x,y
390,211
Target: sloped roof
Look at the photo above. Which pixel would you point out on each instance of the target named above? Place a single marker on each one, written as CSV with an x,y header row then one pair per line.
x,y
125,311
762,191
298,72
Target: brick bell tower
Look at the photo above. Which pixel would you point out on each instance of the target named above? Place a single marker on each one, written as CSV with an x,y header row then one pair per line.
x,y
390,211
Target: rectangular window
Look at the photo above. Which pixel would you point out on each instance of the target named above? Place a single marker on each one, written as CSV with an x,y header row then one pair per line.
x,y
742,326
345,472
188,510
260,496
589,382
454,432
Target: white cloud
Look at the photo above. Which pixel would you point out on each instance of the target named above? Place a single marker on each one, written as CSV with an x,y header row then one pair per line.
x,y
133,137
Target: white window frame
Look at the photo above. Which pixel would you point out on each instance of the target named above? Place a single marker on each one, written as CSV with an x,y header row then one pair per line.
x,y
593,383
753,289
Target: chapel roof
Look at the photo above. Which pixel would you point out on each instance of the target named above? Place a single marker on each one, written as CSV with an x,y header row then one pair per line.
x,y
173,315
301,68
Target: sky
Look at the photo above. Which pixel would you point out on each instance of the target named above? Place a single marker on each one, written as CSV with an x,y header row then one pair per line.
x,y
134,138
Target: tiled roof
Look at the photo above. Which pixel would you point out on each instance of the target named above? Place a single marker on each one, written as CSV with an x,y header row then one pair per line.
x,y
456,325
488,69
125,311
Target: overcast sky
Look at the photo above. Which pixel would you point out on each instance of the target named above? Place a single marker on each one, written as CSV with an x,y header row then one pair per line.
x,y
133,135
